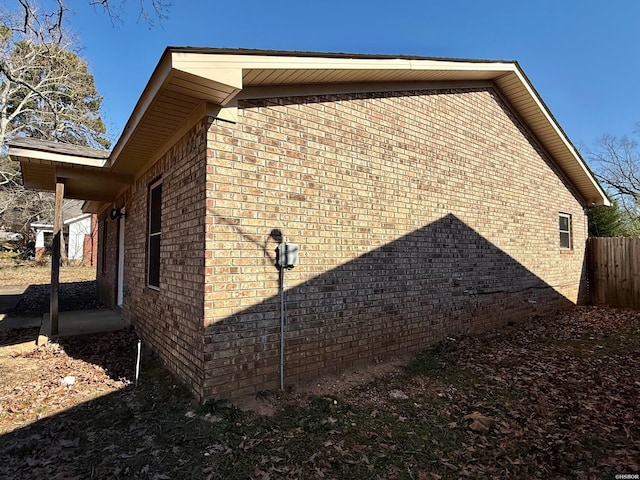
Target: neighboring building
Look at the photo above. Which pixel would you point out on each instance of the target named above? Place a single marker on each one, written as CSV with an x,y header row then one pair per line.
x,y
11,241
428,197
80,235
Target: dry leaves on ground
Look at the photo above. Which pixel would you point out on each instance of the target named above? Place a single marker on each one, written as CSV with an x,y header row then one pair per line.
x,y
554,397
478,422
97,368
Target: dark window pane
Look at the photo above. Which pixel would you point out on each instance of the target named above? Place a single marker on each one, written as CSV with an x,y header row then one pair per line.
x,y
155,224
565,241
564,223
155,229
154,261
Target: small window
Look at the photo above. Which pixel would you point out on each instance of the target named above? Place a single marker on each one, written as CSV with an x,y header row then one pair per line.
x,y
155,232
565,231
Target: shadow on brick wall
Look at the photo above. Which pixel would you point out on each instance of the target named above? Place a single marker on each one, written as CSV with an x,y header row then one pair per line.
x,y
440,280
443,279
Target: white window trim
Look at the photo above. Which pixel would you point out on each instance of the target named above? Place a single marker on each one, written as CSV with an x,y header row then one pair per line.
x,y
569,232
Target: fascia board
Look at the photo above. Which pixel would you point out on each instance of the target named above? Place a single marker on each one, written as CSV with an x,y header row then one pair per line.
x,y
27,154
560,133
225,73
158,79
229,62
227,70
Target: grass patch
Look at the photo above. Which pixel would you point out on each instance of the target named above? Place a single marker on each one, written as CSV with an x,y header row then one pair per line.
x,y
436,362
37,274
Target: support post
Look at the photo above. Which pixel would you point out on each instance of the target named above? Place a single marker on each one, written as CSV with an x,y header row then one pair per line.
x,y
55,257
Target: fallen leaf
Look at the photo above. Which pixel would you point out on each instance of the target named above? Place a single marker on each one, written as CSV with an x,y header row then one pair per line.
x,y
398,395
478,422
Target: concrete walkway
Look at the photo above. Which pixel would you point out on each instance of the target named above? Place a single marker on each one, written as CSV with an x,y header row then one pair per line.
x,y
9,299
9,322
10,296
81,322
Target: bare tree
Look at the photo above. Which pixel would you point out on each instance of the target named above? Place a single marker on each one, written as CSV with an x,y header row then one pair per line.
x,y
51,22
46,91
616,164
30,21
150,11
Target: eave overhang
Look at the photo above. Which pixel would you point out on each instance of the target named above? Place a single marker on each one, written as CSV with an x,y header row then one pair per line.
x,y
84,171
190,83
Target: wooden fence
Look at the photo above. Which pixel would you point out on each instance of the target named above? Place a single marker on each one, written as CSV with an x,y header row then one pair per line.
x,y
614,271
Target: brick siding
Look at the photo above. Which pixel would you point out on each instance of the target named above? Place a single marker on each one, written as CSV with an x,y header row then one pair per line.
x,y
107,264
90,245
170,320
419,215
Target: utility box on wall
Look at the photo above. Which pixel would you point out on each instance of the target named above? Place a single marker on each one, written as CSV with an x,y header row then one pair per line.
x,y
287,255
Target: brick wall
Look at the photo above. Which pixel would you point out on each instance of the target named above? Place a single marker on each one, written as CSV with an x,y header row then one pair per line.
x,y
419,215
170,320
90,248
107,260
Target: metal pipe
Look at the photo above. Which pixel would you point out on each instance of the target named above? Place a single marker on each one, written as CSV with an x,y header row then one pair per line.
x,y
282,317
138,362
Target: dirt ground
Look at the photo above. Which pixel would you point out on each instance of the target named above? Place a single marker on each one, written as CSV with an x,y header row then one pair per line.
x,y
553,397
32,273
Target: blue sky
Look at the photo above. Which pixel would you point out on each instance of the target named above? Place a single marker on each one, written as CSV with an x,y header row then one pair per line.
x,y
581,56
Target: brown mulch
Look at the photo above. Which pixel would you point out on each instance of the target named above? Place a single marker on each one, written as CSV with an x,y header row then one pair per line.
x,y
77,290
71,297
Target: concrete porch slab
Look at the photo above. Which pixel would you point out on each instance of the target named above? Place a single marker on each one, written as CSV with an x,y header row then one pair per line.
x,y
10,322
10,296
81,322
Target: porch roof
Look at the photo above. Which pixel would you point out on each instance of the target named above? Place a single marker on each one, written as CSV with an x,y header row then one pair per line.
x,y
189,83
85,171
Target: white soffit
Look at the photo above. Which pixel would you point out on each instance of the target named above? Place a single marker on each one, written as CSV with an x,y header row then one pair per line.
x,y
189,83
187,77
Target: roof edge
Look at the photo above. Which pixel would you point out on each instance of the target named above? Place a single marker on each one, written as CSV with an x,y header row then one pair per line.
x,y
315,54
168,70
606,201
58,148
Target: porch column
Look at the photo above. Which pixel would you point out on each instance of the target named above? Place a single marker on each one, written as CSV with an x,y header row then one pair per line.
x,y
55,256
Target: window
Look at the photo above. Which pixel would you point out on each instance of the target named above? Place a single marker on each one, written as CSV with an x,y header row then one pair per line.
x,y
565,231
155,232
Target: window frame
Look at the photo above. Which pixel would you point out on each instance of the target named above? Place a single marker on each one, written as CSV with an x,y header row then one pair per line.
x,y
567,232
152,235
